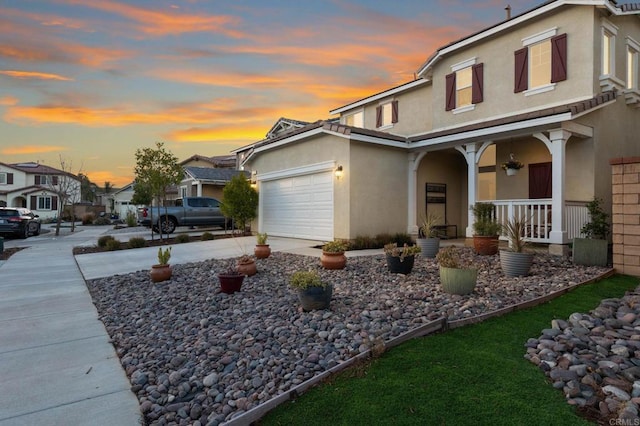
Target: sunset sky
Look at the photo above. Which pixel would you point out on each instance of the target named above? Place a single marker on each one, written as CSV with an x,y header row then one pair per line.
x,y
93,80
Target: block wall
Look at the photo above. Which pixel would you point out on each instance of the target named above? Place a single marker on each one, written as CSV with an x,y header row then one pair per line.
x,y
626,214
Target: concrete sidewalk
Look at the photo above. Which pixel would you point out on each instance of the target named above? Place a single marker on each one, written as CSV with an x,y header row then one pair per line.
x,y
57,366
98,265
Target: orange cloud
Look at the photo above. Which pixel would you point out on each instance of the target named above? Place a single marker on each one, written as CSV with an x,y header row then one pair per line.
x,y
31,149
218,134
117,180
170,22
8,101
34,75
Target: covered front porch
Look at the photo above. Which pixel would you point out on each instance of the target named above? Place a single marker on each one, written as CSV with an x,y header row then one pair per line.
x,y
555,210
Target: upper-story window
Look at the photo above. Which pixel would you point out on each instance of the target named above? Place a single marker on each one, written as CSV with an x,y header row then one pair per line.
x,y
541,63
464,86
3,178
608,37
387,114
356,119
46,180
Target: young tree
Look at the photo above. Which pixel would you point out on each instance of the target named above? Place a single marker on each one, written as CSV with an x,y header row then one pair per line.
x,y
156,170
67,188
108,187
240,201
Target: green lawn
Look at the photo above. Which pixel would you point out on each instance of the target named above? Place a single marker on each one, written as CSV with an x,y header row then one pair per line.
x,y
472,375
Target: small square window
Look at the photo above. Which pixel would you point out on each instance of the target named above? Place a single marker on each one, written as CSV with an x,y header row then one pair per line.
x,y
3,178
356,119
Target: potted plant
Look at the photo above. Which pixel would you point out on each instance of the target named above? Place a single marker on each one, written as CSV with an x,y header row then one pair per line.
x,y
262,250
514,260
593,250
246,265
230,280
427,235
162,270
512,166
456,276
313,293
486,229
400,259
333,255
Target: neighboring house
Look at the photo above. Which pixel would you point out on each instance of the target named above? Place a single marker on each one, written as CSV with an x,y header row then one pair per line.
x,y
206,181
121,201
36,187
221,161
556,86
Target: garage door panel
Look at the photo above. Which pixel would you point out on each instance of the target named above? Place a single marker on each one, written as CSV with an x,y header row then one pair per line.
x,y
299,206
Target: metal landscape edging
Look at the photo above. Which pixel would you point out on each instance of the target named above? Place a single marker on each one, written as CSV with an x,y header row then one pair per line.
x,y
432,327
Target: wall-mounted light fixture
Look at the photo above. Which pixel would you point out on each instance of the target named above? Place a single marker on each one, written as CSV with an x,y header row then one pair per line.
x,y
338,172
254,181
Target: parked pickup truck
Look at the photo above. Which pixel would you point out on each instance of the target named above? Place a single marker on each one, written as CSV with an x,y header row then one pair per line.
x,y
188,211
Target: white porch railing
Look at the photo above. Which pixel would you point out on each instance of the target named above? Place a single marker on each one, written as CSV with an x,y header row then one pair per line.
x,y
538,214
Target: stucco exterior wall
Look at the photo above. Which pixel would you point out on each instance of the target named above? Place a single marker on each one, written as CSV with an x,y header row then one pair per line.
x,y
379,197
447,167
497,54
414,112
528,151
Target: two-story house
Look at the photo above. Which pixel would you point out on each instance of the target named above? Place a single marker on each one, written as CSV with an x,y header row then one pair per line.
x,y
555,88
37,187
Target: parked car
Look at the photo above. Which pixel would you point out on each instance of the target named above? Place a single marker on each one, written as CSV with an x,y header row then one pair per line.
x,y
188,211
19,221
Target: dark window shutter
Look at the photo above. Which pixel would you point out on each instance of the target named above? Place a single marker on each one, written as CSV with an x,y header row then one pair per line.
x,y
54,203
37,178
9,178
394,111
33,202
379,116
450,87
521,70
54,180
477,85
559,58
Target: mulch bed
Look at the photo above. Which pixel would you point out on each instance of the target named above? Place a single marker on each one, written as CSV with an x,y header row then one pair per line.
x,y
8,252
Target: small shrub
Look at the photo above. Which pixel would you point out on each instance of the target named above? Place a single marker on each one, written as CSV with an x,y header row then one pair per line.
x,y
137,242
182,238
102,241
302,280
131,219
113,245
363,242
402,238
102,221
206,236
383,239
88,219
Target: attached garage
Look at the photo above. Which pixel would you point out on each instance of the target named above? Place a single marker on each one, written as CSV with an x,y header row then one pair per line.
x,y
298,206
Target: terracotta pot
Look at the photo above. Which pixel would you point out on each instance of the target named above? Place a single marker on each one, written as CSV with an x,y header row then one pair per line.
x,y
333,260
160,273
485,245
230,283
247,269
262,251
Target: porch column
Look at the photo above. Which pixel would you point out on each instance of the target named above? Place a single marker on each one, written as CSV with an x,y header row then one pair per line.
x,y
199,189
412,196
470,154
558,138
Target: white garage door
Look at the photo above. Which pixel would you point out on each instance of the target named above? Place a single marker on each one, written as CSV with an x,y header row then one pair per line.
x,y
299,206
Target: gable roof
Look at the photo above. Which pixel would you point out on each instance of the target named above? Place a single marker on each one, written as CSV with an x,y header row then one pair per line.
x,y
212,175
284,125
381,95
546,7
216,161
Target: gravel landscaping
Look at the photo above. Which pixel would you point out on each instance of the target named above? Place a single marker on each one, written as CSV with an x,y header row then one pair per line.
x,y
197,356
